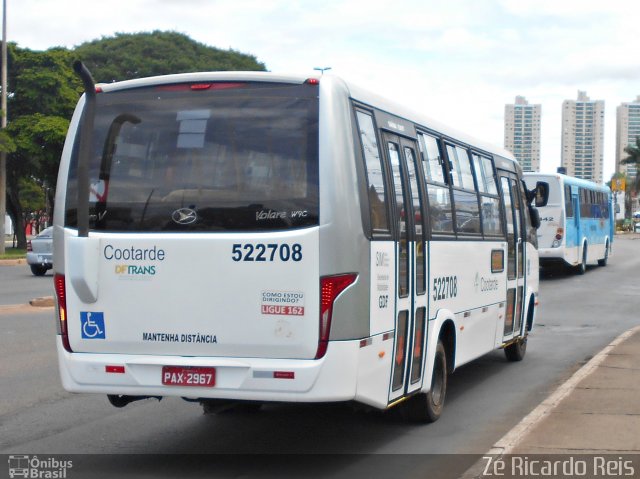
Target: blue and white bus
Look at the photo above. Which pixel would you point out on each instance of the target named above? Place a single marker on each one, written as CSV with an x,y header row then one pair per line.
x,y
577,223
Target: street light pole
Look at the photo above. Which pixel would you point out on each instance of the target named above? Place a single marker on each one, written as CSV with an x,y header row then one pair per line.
x,y
3,125
322,69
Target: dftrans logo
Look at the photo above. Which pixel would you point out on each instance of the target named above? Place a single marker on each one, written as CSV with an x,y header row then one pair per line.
x,y
134,270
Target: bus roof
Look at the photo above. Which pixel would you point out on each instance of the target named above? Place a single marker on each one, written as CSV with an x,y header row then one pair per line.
x,y
569,180
334,82
419,118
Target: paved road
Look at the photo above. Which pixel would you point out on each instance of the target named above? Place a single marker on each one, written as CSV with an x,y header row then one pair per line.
x,y
578,316
18,285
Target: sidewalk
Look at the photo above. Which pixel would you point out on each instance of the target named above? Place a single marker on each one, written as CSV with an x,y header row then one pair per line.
x,y
597,411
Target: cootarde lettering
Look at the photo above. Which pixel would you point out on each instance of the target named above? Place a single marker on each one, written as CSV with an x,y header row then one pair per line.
x,y
133,254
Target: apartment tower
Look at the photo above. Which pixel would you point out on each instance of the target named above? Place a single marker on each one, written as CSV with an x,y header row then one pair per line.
x,y
627,130
583,137
522,133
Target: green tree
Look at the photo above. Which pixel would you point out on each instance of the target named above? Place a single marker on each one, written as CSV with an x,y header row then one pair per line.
x,y
126,56
7,144
32,197
633,159
42,93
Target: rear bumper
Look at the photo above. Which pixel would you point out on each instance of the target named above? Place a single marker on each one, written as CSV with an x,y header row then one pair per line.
x,y
332,378
44,259
552,255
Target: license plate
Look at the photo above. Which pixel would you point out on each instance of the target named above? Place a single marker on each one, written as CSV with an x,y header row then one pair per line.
x,y
188,376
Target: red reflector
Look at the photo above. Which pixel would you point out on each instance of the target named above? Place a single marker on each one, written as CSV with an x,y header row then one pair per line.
x,y
114,369
312,81
99,89
201,86
284,375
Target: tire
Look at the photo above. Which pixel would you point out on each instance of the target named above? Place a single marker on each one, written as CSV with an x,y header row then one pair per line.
x,y
38,270
516,351
582,267
603,261
427,407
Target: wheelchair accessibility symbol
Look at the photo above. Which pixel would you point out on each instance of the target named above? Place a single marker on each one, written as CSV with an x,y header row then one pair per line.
x,y
92,325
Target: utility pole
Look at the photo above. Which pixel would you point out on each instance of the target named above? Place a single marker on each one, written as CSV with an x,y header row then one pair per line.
x,y
3,125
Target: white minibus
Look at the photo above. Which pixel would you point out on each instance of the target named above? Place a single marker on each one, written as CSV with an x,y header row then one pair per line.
x,y
254,237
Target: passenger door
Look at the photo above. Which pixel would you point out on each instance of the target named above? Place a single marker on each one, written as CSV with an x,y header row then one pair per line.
x,y
516,241
411,271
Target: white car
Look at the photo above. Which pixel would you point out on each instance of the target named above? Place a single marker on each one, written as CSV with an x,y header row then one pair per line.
x,y
40,252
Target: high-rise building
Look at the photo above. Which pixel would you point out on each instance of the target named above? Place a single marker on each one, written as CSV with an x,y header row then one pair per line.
x,y
627,130
522,133
583,137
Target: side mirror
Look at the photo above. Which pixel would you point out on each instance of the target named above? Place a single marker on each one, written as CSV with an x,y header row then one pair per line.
x,y
541,194
535,217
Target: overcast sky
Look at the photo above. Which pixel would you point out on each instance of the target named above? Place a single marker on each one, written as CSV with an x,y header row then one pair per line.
x,y
459,61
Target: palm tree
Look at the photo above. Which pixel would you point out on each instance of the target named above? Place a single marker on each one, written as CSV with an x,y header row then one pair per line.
x,y
633,159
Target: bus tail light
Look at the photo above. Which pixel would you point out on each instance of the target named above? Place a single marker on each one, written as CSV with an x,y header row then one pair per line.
x,y
557,241
203,86
330,289
61,296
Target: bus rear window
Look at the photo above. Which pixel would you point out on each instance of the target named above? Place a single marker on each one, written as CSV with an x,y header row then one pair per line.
x,y
205,159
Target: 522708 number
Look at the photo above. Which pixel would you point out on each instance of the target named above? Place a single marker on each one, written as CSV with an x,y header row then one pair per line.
x,y
445,287
266,252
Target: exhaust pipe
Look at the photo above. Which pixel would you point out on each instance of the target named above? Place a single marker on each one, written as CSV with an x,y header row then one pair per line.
x,y
119,401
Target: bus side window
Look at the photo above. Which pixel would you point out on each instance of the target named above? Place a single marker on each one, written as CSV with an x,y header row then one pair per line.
x,y
568,201
432,161
460,167
439,197
465,197
489,200
374,167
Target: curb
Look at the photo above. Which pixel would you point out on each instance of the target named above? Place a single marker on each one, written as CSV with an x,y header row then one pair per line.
x,y
511,439
13,262
45,302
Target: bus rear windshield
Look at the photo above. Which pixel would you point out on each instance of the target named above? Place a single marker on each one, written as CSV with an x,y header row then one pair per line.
x,y
202,157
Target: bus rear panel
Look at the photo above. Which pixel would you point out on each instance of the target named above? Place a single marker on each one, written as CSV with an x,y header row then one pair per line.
x,y
204,243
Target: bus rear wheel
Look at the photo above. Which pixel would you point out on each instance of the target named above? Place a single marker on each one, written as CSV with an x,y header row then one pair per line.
x,y
603,261
427,407
582,266
516,350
